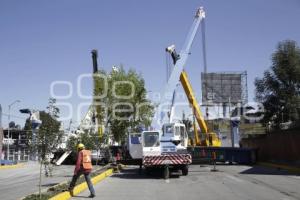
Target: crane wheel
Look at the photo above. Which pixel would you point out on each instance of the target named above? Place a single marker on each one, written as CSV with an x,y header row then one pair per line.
x,y
166,172
185,170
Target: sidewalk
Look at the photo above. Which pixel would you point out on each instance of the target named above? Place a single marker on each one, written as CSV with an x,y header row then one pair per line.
x,y
290,167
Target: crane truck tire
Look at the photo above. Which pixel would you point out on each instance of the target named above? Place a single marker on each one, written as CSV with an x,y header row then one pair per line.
x,y
185,170
147,171
166,172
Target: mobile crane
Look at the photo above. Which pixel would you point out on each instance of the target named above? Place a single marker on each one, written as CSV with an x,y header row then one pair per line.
x,y
166,145
209,138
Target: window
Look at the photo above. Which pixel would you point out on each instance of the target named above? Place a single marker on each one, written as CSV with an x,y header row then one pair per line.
x,y
135,139
177,131
151,139
168,129
182,132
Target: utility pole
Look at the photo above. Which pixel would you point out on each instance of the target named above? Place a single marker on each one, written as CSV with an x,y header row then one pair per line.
x,y
230,124
96,108
94,58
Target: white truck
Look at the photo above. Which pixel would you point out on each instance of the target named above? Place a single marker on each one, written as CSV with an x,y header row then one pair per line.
x,y
169,151
162,149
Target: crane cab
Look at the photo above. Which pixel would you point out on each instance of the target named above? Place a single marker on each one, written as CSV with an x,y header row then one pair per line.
x,y
151,143
174,137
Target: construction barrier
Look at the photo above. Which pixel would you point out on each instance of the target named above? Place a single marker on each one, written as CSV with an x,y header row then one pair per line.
x,y
222,154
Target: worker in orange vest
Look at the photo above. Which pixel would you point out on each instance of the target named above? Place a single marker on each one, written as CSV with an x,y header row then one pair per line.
x,y
83,166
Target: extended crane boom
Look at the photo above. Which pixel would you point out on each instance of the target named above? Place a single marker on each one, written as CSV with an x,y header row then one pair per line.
x,y
161,114
208,138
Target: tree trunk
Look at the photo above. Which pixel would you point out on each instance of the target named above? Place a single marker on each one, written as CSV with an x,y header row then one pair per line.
x,y
40,179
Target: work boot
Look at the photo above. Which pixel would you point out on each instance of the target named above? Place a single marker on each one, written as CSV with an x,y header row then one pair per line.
x,y
92,196
71,192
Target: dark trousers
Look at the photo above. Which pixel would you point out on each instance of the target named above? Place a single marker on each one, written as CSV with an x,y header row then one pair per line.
x,y
87,179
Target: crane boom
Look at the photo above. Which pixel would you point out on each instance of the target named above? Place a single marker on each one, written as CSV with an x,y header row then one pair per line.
x,y
192,99
210,138
161,113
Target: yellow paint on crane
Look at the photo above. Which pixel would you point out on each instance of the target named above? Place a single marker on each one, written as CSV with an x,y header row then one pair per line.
x,y
191,97
101,130
211,138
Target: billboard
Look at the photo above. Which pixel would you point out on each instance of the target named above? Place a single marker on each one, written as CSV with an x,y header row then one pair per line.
x,y
224,87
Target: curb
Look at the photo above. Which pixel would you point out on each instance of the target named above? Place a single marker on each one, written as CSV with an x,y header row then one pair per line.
x,y
280,166
79,188
12,166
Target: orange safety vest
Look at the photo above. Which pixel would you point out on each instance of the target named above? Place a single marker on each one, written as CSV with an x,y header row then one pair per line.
x,y
86,159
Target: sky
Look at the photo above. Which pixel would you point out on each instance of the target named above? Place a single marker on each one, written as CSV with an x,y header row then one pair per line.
x,y
46,43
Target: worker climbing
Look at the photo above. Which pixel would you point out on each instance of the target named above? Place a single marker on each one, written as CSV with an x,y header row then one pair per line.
x,y
83,166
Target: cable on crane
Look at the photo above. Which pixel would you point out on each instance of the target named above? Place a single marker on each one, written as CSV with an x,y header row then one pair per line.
x,y
204,45
168,66
204,62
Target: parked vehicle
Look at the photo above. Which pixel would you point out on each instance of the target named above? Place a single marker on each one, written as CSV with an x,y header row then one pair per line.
x,y
101,156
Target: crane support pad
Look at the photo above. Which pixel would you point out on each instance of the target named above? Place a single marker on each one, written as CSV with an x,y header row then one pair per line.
x,y
167,159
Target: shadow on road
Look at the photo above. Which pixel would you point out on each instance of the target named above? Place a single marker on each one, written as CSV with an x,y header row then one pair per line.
x,y
79,196
135,173
260,170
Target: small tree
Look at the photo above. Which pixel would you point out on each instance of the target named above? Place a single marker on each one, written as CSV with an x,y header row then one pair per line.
x,y
49,136
52,109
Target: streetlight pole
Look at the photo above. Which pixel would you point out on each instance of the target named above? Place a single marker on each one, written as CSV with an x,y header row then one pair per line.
x,y
8,130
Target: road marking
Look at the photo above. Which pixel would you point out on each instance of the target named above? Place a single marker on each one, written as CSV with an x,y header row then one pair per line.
x,y
167,180
235,178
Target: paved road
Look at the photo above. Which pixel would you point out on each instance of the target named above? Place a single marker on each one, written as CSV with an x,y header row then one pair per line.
x,y
231,182
17,183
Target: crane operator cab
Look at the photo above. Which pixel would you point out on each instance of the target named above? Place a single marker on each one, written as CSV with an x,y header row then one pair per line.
x,y
174,137
151,143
